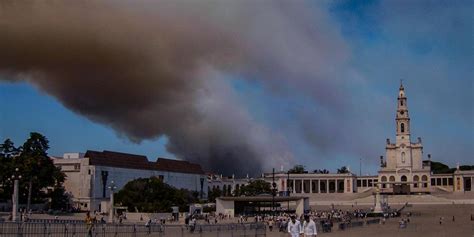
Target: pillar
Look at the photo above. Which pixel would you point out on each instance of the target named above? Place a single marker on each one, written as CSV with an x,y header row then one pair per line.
x,y
15,197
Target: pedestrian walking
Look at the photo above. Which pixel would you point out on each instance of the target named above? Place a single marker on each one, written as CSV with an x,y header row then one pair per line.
x,y
270,224
89,224
309,227
294,227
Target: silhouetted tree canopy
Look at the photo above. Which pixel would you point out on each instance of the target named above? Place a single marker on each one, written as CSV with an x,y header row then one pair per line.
x,y
255,187
152,195
36,169
343,170
297,169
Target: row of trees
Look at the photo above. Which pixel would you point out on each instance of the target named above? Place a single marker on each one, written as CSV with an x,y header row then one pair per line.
x,y
299,169
40,180
253,188
440,168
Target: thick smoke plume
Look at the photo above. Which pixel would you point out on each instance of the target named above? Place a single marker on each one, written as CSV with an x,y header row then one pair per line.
x,y
161,68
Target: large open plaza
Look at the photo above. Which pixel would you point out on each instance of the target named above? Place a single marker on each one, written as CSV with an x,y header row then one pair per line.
x,y
457,220
237,118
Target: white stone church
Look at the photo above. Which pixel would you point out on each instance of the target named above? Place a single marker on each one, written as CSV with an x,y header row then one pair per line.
x,y
403,171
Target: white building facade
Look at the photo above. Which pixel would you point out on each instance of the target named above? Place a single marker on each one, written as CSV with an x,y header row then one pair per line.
x,y
90,175
227,185
404,170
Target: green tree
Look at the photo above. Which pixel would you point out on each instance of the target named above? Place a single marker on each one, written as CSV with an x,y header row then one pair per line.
x,y
343,170
7,152
236,191
38,169
224,190
40,177
297,169
256,187
152,195
213,194
440,168
323,171
59,199
466,167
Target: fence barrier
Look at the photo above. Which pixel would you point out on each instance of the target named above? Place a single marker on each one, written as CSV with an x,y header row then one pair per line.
x,y
344,225
48,229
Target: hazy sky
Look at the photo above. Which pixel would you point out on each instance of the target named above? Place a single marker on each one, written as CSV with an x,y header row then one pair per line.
x,y
241,86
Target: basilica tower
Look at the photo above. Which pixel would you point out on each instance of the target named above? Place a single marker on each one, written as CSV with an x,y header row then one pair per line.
x,y
402,118
404,158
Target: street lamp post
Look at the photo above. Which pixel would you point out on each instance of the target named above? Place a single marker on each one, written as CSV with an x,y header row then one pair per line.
x,y
16,183
273,192
112,188
288,189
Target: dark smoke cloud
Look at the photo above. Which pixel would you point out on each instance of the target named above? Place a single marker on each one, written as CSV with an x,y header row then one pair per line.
x,y
157,68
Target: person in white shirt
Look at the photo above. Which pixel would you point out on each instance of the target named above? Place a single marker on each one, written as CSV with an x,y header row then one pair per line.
x,y
309,227
294,227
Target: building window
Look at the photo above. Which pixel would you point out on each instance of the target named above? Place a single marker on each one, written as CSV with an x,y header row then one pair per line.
x,y
77,167
359,183
364,183
450,181
391,180
416,179
90,172
433,182
370,183
384,180
402,127
401,102
403,157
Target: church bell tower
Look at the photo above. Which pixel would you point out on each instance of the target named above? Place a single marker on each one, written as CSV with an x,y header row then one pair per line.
x,y
402,119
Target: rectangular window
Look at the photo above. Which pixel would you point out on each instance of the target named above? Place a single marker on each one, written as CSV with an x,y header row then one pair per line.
x,y
433,182
315,186
450,181
77,167
359,184
90,172
370,183
364,183
438,182
445,181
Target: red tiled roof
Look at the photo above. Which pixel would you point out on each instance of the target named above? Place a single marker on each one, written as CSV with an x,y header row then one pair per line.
x,y
131,161
178,166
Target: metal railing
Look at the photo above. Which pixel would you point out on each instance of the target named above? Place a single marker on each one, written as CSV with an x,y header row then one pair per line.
x,y
27,229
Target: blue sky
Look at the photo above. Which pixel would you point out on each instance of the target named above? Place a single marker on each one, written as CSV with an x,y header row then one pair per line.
x,y
343,116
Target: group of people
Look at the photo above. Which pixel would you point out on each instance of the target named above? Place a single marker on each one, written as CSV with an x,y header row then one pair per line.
x,y
298,229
